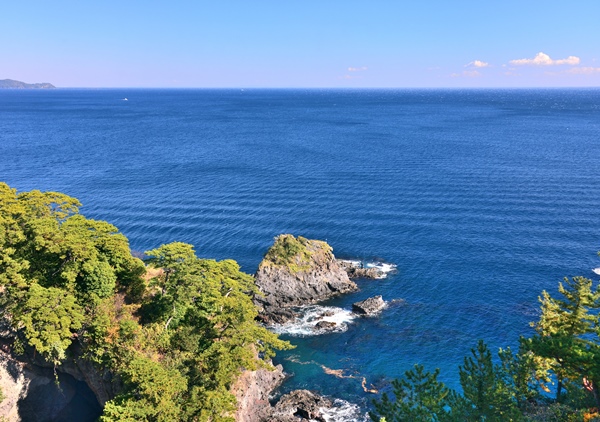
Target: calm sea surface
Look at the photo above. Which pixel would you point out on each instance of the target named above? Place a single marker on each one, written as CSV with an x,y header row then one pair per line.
x,y
482,198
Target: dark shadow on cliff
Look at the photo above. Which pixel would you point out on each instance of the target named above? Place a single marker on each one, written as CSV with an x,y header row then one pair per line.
x,y
12,367
70,401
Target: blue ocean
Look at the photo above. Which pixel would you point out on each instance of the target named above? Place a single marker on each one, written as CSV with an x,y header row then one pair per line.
x,y
481,198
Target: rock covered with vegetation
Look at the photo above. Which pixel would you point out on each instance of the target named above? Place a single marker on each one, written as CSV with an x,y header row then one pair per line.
x,y
299,271
164,345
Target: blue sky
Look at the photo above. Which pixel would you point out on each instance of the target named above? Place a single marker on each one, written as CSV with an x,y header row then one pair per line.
x,y
286,43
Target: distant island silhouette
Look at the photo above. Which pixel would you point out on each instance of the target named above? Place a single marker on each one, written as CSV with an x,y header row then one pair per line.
x,y
12,84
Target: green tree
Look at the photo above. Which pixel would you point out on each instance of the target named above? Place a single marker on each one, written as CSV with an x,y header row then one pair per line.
x,y
484,388
154,393
49,318
523,373
201,320
567,334
419,396
49,252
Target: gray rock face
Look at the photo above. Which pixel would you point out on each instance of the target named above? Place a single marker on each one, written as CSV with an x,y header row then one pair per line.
x,y
252,391
369,307
307,274
299,405
356,270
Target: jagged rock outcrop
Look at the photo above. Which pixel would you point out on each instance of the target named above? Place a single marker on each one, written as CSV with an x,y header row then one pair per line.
x,y
252,391
369,307
298,271
299,405
355,269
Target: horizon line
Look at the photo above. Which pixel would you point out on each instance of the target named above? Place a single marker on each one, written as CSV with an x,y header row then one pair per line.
x,y
300,87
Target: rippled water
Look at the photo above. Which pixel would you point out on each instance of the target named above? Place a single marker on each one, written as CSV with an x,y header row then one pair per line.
x,y
482,198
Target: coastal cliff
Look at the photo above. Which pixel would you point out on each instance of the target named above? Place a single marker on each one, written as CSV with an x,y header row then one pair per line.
x,y
252,389
296,272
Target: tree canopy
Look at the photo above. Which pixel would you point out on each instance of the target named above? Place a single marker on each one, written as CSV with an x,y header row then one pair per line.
x,y
176,336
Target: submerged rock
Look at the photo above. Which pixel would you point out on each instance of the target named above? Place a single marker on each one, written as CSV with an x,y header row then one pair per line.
x,y
296,272
325,325
369,307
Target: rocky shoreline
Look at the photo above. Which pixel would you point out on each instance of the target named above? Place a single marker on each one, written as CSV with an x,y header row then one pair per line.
x,y
295,273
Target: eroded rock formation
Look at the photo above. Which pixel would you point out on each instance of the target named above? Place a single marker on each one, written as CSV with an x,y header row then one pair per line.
x,y
295,272
369,307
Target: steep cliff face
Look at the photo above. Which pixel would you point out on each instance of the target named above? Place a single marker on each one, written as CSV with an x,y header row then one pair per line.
x,y
32,394
252,391
14,382
299,271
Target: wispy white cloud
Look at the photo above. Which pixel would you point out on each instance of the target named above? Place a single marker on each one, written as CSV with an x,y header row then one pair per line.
x,y
466,74
542,59
349,77
357,69
477,63
584,70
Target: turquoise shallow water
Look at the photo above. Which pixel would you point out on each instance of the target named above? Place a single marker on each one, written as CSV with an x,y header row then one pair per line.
x,y
482,198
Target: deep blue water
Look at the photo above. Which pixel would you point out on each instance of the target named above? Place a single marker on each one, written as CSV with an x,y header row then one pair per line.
x,y
481,197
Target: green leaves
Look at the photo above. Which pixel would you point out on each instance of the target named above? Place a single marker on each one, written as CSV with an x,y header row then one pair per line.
x,y
48,318
202,312
177,343
419,397
484,387
567,336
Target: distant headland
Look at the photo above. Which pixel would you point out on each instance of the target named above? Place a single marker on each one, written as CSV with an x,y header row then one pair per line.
x,y
12,84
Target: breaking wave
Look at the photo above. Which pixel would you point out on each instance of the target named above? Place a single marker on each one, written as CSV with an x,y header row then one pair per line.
x,y
310,316
384,268
343,411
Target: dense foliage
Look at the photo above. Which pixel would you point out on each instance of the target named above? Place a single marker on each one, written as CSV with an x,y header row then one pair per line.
x,y
175,333
564,354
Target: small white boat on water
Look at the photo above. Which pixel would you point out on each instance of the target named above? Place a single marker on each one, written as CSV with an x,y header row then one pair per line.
x,y
596,270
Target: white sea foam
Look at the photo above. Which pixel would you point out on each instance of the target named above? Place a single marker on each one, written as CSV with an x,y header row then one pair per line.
x,y
311,315
343,411
383,267
596,270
